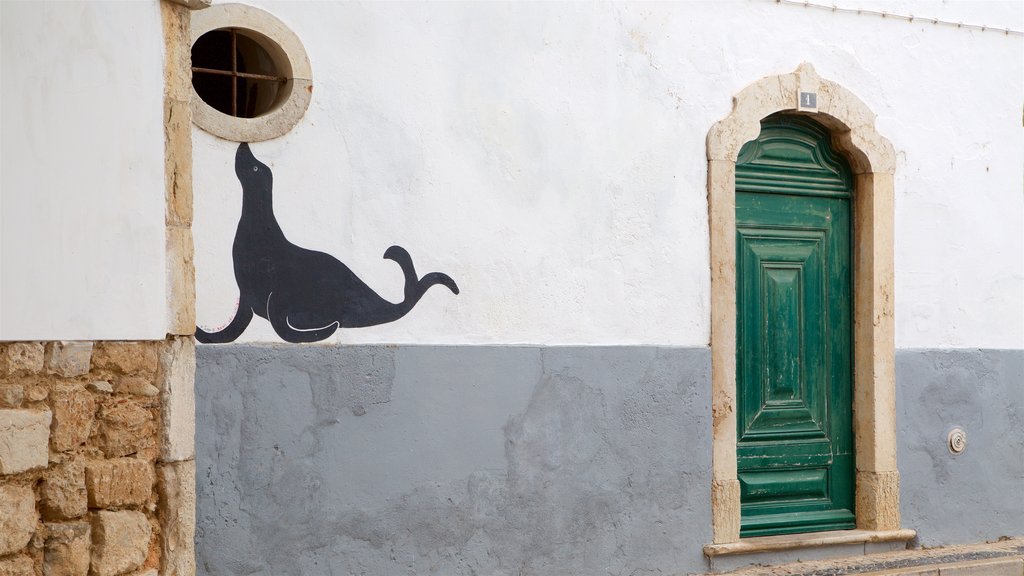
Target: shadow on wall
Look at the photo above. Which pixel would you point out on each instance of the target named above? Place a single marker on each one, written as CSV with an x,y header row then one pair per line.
x,y
306,295
456,461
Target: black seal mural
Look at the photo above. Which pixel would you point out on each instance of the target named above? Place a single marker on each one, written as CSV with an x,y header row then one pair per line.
x,y
306,295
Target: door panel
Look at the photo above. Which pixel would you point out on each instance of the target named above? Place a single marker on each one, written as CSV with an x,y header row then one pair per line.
x,y
803,482
781,297
794,359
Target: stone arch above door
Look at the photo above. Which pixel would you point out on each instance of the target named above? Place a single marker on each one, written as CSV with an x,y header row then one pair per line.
x,y
873,162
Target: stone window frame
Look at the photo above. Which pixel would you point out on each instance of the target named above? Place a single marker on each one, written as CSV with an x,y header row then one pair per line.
x,y
288,54
873,162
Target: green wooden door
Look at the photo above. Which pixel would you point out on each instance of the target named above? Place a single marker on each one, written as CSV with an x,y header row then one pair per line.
x,y
793,339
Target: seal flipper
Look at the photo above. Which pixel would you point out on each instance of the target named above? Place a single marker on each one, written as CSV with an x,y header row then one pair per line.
x,y
279,320
232,331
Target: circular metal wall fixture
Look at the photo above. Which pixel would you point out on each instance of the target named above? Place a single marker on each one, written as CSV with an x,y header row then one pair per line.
x,y
251,79
956,441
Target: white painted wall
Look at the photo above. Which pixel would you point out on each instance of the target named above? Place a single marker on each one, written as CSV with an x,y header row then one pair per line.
x,y
551,158
81,171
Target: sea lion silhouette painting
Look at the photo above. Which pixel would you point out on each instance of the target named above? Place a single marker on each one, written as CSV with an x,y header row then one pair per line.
x,y
306,295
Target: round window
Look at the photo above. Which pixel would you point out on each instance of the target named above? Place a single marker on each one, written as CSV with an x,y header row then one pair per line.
x,y
234,74
250,74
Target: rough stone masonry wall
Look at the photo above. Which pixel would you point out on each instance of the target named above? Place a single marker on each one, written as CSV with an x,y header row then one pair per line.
x,y
89,482
97,469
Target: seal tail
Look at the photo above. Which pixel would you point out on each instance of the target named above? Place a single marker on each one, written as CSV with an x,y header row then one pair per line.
x,y
435,278
414,285
401,256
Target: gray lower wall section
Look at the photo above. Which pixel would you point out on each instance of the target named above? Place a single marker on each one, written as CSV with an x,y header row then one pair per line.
x,y
452,460
537,461
978,495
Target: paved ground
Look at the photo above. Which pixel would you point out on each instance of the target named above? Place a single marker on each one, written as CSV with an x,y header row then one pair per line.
x,y
993,559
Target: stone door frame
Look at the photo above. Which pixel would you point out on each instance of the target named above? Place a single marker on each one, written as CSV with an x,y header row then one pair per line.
x,y
873,162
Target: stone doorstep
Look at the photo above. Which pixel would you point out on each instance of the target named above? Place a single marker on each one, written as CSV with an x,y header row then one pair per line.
x,y
1002,558
787,548
807,540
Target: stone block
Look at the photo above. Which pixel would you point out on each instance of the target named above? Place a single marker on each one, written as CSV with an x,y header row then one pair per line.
x,y
37,393
21,358
118,483
73,411
177,510
68,359
126,428
136,385
177,390
66,552
181,281
878,500
62,492
17,518
120,541
17,566
12,396
194,4
178,151
101,386
177,58
725,506
24,439
126,357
